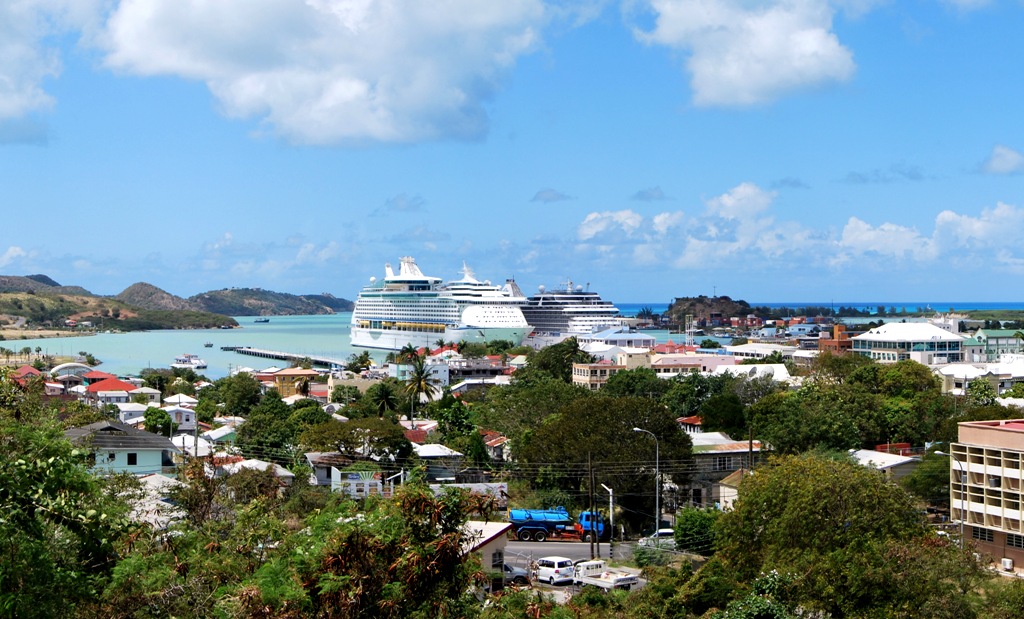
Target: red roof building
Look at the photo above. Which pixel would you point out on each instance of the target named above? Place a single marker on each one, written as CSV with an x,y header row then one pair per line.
x,y
110,384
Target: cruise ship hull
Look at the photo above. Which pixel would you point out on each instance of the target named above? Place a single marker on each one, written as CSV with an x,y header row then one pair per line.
x,y
409,307
388,339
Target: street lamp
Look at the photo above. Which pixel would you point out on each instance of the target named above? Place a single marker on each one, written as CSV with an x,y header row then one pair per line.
x,y
611,522
657,480
963,492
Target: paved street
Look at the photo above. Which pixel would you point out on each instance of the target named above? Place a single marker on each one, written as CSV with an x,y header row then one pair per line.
x,y
519,553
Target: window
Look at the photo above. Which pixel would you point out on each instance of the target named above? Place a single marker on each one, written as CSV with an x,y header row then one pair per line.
x,y
133,459
983,535
994,481
497,559
1015,541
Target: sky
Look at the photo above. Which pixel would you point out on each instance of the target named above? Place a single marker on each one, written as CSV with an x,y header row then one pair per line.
x,y
771,151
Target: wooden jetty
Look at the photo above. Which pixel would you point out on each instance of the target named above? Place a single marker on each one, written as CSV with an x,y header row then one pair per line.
x,y
290,357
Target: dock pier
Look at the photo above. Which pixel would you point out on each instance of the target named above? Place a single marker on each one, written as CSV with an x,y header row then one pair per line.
x,y
290,357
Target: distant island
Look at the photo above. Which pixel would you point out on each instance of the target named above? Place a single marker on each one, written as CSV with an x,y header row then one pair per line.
x,y
39,302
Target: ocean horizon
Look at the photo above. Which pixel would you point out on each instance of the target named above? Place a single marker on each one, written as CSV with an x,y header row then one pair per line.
x,y
631,309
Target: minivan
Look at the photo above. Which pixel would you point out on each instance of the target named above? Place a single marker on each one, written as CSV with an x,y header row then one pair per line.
x,y
554,570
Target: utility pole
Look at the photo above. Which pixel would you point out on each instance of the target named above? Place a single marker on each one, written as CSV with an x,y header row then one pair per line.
x,y
590,491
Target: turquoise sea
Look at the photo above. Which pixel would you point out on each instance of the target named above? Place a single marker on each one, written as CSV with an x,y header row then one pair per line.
x,y
129,353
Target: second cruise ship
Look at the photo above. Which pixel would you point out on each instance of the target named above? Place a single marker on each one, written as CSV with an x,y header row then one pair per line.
x,y
409,307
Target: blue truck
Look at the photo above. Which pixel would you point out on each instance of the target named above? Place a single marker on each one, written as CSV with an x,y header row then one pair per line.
x,y
544,524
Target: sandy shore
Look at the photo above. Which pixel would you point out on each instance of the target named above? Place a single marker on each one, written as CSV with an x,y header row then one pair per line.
x,y
13,335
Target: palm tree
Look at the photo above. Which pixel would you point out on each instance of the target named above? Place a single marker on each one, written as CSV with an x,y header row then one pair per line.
x,y
420,382
383,397
440,342
407,352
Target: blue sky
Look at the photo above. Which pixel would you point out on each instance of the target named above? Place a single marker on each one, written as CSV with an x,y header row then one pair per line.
x,y
802,150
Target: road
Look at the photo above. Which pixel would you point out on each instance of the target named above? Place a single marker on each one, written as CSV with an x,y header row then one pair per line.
x,y
520,553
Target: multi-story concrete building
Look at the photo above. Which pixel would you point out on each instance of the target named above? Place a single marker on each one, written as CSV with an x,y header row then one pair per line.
x,y
998,342
915,341
985,469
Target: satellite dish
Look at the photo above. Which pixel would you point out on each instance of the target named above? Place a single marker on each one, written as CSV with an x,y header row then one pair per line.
x,y
579,288
373,279
487,282
540,288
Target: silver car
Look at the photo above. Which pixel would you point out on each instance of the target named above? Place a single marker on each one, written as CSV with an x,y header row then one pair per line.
x,y
664,539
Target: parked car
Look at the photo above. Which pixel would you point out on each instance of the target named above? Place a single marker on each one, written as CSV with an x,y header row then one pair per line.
x,y
663,538
516,575
554,570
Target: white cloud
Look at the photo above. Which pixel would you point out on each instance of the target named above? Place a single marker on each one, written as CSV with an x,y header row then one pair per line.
x,y
330,71
747,53
310,253
13,253
223,242
999,226
627,222
742,201
1004,160
26,58
663,223
887,239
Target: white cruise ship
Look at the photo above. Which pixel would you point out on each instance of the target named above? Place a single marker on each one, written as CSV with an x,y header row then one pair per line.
x,y
567,311
409,307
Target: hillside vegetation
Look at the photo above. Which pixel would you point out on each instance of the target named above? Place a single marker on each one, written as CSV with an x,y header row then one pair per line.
x,y
52,309
143,306
259,302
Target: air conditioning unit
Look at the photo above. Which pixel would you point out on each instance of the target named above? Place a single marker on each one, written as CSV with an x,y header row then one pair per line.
x,y
1008,565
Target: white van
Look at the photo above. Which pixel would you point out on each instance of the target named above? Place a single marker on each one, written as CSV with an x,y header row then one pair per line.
x,y
553,570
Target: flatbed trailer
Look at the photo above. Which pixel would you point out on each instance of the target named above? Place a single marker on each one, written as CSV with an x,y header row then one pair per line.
x,y
598,574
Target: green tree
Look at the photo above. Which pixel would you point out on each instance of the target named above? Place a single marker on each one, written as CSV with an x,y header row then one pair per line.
x,y
724,412
846,535
602,428
453,420
420,382
157,421
980,392
374,437
688,392
930,479
345,394
58,523
382,397
407,558
268,433
638,382
556,360
695,530
359,362
836,368
240,393
523,405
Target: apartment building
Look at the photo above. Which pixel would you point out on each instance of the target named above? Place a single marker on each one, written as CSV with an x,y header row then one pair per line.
x,y
985,488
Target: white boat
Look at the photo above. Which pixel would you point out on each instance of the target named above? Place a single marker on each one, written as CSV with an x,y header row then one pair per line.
x,y
409,307
567,311
189,362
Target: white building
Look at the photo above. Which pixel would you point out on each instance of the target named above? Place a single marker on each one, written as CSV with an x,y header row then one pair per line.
x,y
914,341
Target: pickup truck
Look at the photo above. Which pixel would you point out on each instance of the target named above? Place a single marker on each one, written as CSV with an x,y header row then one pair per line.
x,y
598,574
